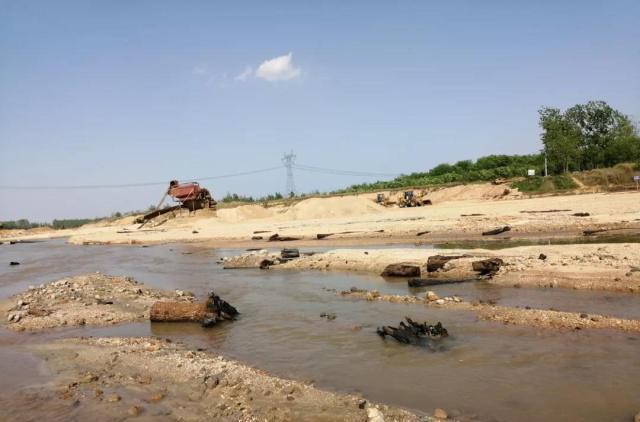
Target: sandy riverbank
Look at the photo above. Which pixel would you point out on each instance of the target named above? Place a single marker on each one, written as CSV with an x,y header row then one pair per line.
x,y
608,267
540,318
458,213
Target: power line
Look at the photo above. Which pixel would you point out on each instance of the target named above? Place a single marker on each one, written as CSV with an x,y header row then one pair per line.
x,y
342,172
132,185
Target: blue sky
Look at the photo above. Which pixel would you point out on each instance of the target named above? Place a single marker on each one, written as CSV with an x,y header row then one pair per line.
x,y
107,92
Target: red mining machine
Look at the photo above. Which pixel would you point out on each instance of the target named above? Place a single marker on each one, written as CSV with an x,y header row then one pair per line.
x,y
189,195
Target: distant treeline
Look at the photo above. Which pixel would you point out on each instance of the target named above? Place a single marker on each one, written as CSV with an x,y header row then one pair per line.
x,y
584,137
483,169
24,224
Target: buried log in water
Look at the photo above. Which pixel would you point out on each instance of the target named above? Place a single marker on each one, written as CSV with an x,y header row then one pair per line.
x,y
207,313
423,282
412,332
487,266
436,262
401,270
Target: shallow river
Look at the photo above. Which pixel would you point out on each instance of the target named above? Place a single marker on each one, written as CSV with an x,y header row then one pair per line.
x,y
497,372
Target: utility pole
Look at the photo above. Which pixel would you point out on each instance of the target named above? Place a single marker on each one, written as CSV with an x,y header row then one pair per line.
x,y
289,160
545,163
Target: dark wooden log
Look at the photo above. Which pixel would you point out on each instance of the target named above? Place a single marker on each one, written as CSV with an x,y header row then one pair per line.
x,y
207,313
436,262
412,332
261,231
581,214
14,263
487,266
423,282
471,215
542,211
593,231
423,233
256,237
165,311
496,231
401,270
277,238
266,263
290,253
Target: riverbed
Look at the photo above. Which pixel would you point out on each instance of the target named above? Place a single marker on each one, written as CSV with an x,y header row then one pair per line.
x,y
486,369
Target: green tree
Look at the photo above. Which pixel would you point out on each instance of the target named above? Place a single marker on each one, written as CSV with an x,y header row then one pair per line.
x,y
561,139
600,126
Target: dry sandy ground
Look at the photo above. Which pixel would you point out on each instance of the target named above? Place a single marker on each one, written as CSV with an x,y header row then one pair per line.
x,y
458,212
93,299
154,379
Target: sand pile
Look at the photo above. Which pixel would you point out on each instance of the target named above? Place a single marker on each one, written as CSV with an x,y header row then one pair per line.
x,y
471,192
346,206
246,212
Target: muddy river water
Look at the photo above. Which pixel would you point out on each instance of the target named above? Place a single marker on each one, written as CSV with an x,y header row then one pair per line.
x,y
497,372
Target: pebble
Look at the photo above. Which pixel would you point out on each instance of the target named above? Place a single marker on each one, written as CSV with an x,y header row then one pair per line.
x,y
374,415
135,410
431,296
114,398
440,413
440,302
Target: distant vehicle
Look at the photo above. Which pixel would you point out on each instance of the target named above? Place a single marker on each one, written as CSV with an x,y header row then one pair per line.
x,y
191,195
410,199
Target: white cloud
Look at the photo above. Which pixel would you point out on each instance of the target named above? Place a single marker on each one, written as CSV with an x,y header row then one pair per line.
x,y
278,69
199,70
246,73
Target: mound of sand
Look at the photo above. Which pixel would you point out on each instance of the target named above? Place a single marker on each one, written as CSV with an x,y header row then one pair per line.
x,y
474,191
245,212
345,206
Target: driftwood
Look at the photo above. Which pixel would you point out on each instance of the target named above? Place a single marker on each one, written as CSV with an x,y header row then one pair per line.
x,y
320,236
256,237
487,266
422,282
401,270
594,231
290,253
542,211
261,231
496,231
14,263
436,262
581,214
471,215
277,238
207,313
422,233
412,332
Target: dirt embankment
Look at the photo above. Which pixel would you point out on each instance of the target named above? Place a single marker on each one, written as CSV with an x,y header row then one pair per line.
x,y
118,378
508,315
93,299
611,267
